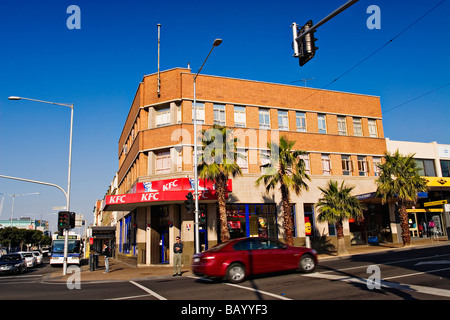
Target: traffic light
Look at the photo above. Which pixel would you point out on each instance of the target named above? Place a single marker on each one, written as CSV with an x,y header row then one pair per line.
x,y
66,220
189,203
202,217
306,46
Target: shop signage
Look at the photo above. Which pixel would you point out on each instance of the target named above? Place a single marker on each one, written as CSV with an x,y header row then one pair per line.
x,y
434,203
166,190
437,182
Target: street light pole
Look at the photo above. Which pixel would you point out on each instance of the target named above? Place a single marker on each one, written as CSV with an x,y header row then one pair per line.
x,y
216,43
66,232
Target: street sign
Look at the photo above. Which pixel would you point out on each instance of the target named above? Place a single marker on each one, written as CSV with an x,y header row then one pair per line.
x,y
435,203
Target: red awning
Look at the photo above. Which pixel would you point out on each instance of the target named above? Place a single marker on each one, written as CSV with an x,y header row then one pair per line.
x,y
152,192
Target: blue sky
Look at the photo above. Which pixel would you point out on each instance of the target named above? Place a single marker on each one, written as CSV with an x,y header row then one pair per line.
x,y
99,67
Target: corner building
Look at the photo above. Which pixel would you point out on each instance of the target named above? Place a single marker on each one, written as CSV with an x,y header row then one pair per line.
x,y
341,132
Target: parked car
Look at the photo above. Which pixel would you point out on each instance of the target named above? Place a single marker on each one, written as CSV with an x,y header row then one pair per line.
x,y
38,256
12,262
237,259
29,258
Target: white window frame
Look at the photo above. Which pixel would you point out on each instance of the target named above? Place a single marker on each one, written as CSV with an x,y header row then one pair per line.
x,y
163,161
326,164
357,127
376,161
200,112
219,114
239,116
283,120
322,123
363,167
305,158
347,165
300,121
264,115
373,132
342,125
163,117
242,159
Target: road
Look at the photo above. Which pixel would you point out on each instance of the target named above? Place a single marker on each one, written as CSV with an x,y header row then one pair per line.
x,y
419,273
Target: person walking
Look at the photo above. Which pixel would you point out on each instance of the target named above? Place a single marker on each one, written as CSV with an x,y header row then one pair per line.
x,y
107,253
177,257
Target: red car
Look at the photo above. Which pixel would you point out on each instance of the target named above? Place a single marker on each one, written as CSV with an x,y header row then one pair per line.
x,y
236,259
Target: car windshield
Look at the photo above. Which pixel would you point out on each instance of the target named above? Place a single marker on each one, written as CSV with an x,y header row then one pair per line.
x,y
10,257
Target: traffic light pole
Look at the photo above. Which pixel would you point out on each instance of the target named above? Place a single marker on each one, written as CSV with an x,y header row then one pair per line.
x,y
329,17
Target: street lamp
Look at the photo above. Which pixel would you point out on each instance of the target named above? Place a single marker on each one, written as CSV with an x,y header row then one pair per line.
x,y
66,236
216,43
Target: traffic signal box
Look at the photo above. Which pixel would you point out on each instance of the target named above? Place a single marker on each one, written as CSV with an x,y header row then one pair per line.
x,y
306,45
66,220
189,203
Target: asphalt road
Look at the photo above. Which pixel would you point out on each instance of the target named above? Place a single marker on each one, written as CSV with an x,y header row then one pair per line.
x,y
403,274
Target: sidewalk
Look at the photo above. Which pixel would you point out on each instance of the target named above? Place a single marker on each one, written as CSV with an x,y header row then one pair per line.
x,y
121,271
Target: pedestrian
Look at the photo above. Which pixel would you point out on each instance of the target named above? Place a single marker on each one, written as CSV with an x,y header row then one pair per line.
x,y
107,253
177,257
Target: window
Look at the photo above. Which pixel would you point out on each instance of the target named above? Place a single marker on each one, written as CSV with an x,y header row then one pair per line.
x,y
242,160
445,166
163,117
264,119
373,128
326,165
342,125
376,163
239,116
346,165
219,114
305,158
357,127
300,119
322,123
200,112
426,167
283,122
163,162
264,159
363,168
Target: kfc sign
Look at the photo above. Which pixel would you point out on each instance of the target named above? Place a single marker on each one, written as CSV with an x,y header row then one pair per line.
x,y
165,190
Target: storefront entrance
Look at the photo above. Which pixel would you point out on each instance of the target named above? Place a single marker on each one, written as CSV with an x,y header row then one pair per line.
x,y
252,220
425,223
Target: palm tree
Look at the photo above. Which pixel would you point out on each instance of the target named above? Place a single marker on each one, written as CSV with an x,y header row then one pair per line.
x,y
400,179
218,164
287,170
336,205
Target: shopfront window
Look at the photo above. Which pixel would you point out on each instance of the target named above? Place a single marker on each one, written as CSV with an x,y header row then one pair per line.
x,y
252,220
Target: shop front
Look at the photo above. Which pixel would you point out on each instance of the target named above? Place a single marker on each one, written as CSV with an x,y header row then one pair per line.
x,y
154,214
252,220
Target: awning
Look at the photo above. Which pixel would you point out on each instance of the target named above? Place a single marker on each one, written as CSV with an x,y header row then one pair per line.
x,y
160,192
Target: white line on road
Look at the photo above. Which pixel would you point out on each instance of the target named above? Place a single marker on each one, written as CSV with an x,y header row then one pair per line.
x,y
387,284
248,288
148,291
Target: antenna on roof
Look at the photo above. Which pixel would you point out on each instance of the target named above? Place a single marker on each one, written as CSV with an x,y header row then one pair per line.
x,y
159,41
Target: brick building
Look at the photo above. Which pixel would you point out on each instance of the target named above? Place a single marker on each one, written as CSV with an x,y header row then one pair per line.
x,y
341,132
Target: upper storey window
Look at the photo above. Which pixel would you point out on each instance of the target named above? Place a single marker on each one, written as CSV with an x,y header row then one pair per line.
x,y
264,119
322,122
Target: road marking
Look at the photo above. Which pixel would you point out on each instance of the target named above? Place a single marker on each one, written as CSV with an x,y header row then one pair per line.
x,y
130,297
416,273
148,291
388,263
247,288
433,262
387,284
258,291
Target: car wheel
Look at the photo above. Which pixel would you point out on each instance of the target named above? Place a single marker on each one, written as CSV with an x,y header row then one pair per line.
x,y
307,263
236,273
